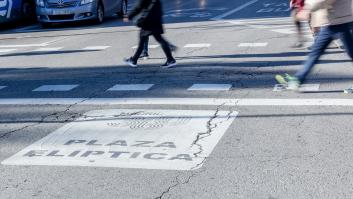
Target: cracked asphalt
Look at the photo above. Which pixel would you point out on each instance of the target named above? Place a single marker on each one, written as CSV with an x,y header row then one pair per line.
x,y
267,152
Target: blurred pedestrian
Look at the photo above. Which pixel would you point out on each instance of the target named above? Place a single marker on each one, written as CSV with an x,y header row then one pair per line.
x,y
296,6
145,54
150,23
339,17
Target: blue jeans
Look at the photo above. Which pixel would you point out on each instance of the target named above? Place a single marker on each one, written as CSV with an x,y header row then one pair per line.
x,y
325,37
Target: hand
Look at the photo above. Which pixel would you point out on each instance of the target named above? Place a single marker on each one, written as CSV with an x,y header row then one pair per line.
x,y
303,15
126,19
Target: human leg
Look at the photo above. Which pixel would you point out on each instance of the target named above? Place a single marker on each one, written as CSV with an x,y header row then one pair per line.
x,y
323,40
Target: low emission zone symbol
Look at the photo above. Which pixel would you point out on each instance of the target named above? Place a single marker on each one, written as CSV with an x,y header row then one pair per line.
x,y
146,139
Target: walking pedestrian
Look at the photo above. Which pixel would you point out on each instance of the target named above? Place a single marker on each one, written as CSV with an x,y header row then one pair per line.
x,y
296,6
145,54
339,17
150,23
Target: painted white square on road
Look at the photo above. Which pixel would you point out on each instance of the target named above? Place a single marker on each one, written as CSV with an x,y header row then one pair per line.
x,y
146,139
7,50
210,87
253,45
48,49
46,88
96,47
149,46
197,46
131,87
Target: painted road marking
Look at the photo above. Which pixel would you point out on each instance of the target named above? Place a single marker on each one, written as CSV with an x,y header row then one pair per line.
x,y
145,139
131,87
48,49
180,101
23,45
149,46
220,17
253,45
96,47
2,87
197,46
46,88
210,87
7,50
303,88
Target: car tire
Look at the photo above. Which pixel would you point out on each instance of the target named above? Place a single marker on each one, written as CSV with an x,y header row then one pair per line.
x,y
28,11
123,9
99,13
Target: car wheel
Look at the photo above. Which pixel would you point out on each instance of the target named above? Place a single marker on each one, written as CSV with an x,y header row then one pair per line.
x,y
123,9
28,11
100,13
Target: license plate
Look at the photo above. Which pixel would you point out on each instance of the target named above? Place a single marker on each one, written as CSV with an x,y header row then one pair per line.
x,y
61,12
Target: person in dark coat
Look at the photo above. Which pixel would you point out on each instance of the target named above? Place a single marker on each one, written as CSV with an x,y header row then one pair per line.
x,y
151,23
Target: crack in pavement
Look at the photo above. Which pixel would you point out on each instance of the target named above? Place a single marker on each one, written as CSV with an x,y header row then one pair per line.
x,y
178,183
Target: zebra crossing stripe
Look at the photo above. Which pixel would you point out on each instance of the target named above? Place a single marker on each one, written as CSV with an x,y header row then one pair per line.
x,y
253,45
47,49
96,47
210,87
7,50
197,46
131,87
149,46
47,88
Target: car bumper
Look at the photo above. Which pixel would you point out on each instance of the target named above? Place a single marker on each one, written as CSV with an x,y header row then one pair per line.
x,y
56,15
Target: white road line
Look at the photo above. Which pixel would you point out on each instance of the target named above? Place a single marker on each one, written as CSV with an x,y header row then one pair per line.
x,y
220,17
131,87
2,87
46,88
24,45
149,46
179,101
252,44
303,88
7,50
210,87
96,47
197,46
48,49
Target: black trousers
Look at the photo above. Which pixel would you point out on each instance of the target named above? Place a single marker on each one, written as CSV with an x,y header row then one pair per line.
x,y
159,38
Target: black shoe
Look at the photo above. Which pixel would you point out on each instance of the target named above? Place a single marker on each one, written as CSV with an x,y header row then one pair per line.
x,y
130,62
144,56
169,64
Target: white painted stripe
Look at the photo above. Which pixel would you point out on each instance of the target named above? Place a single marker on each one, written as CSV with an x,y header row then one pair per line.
x,y
210,87
47,49
46,88
131,87
303,87
2,87
149,46
253,45
197,46
234,10
262,20
7,50
96,47
23,45
179,101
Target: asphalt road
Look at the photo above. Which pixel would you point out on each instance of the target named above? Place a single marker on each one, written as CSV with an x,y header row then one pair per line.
x,y
78,123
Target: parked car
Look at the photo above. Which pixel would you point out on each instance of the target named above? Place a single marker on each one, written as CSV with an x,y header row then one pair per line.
x,y
56,11
11,10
